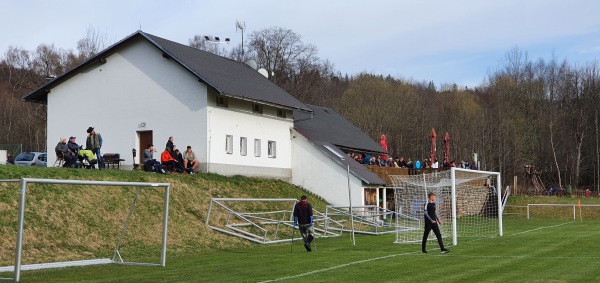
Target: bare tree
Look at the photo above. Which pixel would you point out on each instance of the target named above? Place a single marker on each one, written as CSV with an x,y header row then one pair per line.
x,y
92,43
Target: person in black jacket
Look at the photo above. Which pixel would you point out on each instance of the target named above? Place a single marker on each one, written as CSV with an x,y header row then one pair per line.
x,y
432,222
303,215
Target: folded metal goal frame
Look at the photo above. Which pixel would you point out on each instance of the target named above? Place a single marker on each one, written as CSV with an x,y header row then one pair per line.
x,y
21,221
371,217
282,219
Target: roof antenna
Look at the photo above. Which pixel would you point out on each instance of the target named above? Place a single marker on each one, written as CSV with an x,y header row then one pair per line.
x,y
140,23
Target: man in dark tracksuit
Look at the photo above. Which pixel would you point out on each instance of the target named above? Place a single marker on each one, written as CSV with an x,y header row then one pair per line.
x,y
432,223
303,215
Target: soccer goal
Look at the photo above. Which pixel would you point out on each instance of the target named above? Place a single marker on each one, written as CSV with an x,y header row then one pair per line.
x,y
468,204
117,258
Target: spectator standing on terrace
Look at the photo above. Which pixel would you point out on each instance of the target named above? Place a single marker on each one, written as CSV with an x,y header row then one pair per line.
x,y
170,145
94,143
359,158
435,164
418,165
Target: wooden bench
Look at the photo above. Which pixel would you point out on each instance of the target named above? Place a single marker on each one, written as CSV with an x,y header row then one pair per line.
x,y
112,159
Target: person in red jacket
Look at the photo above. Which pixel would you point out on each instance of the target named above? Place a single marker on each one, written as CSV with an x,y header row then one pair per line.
x,y
167,159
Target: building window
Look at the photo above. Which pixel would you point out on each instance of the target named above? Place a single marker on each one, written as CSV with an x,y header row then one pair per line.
x,y
272,149
257,147
222,101
281,113
257,108
229,144
243,146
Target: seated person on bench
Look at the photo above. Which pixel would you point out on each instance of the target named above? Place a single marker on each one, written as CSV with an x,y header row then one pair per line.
x,y
62,150
168,160
150,164
190,162
73,150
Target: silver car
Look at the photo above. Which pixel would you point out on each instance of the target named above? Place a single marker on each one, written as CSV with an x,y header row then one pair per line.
x,y
31,159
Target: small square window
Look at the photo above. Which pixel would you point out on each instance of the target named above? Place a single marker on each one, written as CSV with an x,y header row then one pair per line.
x,y
257,147
243,146
257,108
229,144
281,113
222,101
272,149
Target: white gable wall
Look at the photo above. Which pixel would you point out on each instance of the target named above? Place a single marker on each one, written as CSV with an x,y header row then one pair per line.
x,y
319,174
135,85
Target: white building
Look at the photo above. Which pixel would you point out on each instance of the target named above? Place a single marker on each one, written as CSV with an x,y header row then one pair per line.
x,y
144,89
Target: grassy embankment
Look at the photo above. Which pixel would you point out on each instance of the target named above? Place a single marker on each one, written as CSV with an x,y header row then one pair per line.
x,y
65,222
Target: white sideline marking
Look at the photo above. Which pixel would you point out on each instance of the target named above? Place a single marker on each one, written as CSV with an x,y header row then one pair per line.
x,y
536,229
337,266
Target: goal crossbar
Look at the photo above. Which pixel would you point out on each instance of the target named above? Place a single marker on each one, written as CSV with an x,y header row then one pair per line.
x,y
21,222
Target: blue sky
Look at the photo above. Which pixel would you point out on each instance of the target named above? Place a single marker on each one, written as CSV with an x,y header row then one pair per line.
x,y
444,41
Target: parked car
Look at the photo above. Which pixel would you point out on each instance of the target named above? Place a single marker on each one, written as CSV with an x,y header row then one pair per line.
x,y
32,159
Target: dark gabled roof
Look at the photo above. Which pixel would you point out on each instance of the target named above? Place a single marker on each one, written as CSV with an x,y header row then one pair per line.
x,y
326,125
356,169
228,77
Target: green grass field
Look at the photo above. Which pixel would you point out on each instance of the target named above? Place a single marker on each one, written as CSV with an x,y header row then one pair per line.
x,y
535,250
73,223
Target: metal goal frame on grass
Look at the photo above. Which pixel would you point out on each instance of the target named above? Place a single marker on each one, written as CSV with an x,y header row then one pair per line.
x,y
263,226
117,259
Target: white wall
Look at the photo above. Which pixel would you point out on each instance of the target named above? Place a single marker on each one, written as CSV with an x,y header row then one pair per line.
x,y
317,173
135,85
239,121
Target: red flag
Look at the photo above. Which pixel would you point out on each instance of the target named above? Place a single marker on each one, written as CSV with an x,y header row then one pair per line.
x,y
579,203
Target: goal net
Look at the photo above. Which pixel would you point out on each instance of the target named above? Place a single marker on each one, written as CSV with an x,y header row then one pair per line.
x,y
467,204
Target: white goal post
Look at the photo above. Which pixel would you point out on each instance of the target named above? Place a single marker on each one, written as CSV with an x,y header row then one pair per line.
x,y
116,256
469,204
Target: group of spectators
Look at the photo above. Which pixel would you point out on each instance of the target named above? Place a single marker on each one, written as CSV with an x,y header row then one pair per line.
x,y
74,155
171,159
401,162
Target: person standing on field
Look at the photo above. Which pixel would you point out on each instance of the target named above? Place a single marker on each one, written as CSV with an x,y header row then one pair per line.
x,y
94,143
432,222
303,215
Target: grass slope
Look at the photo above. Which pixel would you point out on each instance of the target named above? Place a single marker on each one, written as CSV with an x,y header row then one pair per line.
x,y
65,222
